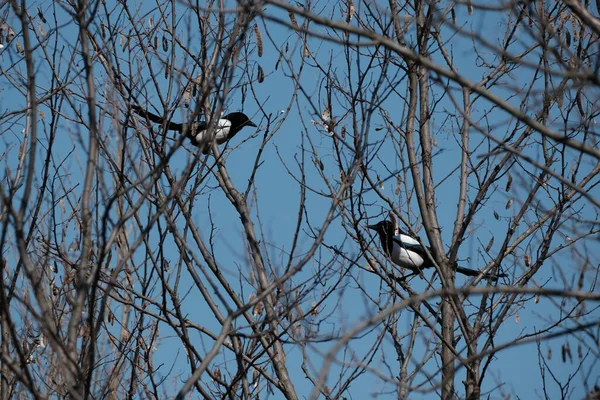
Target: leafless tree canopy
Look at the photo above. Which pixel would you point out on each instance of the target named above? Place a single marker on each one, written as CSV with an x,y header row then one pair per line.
x,y
135,266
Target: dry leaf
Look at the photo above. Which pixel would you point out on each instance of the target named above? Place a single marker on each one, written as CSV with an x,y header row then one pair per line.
x,y
255,376
314,308
261,75
41,29
489,245
398,185
581,280
258,309
306,52
41,15
508,183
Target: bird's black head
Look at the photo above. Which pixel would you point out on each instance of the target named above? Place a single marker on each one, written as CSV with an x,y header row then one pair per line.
x,y
239,120
383,227
385,230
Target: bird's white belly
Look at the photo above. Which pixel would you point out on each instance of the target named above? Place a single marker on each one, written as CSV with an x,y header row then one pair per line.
x,y
406,258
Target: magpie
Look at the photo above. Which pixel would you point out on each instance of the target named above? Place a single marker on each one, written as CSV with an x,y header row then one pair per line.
x,y
407,252
227,127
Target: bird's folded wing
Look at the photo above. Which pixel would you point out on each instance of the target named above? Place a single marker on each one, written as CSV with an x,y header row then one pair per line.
x,y
413,246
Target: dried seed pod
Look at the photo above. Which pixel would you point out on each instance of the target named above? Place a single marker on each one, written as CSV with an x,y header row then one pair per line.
x,y
392,218
350,12
508,183
187,95
259,42
574,26
165,43
509,203
579,103
293,19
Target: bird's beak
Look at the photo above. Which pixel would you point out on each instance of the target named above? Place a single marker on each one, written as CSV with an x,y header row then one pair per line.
x,y
374,227
250,123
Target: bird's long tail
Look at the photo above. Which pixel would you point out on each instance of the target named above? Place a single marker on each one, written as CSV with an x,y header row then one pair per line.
x,y
172,126
474,272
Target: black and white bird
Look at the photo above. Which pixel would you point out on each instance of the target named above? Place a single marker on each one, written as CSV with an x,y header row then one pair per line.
x,y
227,127
407,252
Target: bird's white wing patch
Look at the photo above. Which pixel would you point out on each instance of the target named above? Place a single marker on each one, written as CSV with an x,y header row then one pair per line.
x,y
405,257
223,127
408,239
221,134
